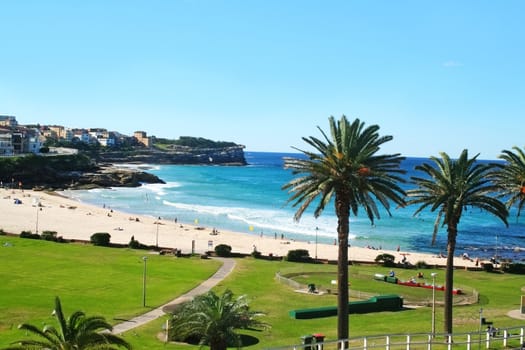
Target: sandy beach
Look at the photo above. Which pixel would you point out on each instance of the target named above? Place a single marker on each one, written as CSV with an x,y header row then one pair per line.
x,y
40,211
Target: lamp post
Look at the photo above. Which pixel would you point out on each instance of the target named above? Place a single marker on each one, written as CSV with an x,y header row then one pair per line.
x,y
480,323
496,256
316,229
37,210
145,259
157,235
433,274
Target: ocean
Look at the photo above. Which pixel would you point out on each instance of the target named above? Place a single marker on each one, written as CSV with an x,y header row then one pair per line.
x,y
249,199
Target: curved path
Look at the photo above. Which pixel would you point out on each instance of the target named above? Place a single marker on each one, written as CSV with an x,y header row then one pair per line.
x,y
227,267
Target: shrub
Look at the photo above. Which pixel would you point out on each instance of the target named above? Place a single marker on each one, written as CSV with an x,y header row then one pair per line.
x,y
422,265
515,268
134,244
488,267
2,232
388,260
100,239
223,250
298,255
29,234
49,235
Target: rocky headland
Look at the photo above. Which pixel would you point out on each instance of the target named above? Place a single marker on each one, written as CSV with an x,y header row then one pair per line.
x,y
104,169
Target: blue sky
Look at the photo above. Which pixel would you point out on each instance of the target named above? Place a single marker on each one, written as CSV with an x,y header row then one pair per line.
x,y
438,76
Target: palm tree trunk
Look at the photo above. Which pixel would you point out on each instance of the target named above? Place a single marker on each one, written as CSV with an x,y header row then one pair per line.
x,y
449,277
343,227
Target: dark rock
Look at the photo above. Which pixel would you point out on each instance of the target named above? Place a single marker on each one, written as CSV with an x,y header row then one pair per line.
x,y
233,155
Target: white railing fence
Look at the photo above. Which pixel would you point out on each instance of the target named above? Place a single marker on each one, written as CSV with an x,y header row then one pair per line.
x,y
504,338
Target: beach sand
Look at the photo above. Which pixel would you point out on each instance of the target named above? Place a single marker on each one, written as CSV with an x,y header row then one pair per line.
x,y
71,219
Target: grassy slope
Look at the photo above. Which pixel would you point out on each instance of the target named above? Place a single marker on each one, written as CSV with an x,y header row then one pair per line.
x,y
97,280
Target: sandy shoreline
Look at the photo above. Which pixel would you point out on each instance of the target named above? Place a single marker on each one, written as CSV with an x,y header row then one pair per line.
x,y
72,219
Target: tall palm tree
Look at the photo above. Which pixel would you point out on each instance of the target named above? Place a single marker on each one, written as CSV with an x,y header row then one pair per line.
x,y
77,332
213,320
449,187
345,166
511,178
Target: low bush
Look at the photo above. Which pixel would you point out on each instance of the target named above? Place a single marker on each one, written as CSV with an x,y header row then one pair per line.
x,y
49,236
134,244
298,255
422,265
223,250
29,234
387,260
100,239
488,267
517,268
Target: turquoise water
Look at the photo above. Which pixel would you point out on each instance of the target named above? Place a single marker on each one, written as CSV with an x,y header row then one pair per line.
x,y
249,199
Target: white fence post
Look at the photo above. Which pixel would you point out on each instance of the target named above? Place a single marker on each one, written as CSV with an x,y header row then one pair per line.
x,y
387,343
408,342
429,345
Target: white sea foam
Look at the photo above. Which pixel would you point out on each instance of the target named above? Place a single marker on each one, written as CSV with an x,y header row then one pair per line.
x,y
261,220
161,189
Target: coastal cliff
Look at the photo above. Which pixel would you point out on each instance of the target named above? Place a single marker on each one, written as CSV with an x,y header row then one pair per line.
x,y
76,171
102,170
233,155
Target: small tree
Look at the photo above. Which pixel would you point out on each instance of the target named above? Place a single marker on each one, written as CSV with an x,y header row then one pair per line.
x,y
212,320
76,332
388,260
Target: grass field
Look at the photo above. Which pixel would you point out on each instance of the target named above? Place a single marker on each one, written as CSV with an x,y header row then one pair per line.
x,y
108,282
97,280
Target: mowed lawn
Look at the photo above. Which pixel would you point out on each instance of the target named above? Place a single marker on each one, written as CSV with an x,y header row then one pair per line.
x,y
499,293
108,282
97,280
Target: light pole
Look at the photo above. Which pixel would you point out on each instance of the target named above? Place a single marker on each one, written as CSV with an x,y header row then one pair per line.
x,y
145,259
316,229
433,274
37,210
157,236
480,323
496,256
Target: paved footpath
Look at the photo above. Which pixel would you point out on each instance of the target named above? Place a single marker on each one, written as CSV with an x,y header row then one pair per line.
x,y
227,267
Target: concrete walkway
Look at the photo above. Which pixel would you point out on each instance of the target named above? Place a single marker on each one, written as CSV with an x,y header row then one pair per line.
x,y
227,267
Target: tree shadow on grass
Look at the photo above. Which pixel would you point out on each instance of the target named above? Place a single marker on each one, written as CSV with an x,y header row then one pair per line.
x,y
246,340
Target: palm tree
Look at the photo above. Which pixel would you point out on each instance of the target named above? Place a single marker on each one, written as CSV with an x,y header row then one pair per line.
x,y
345,166
511,178
449,187
77,332
213,319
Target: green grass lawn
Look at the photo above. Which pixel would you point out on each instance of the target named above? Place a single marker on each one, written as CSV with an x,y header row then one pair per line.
x,y
109,282
96,280
255,278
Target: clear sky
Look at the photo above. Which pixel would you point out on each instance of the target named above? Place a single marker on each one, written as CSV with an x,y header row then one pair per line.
x,y
436,75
